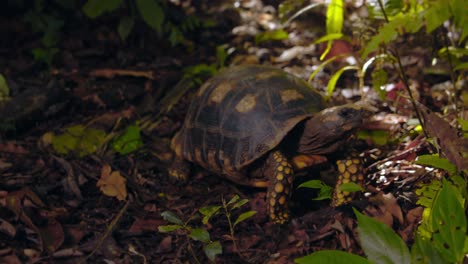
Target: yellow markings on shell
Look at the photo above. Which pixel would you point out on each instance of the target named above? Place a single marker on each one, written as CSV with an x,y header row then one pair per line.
x,y
282,200
341,167
246,104
266,75
203,88
220,92
272,203
280,176
279,187
290,95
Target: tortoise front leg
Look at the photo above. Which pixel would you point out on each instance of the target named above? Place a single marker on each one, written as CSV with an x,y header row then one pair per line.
x,y
179,169
350,169
279,190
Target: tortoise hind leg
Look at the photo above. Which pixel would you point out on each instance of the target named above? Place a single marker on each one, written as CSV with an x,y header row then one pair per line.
x,y
279,189
179,169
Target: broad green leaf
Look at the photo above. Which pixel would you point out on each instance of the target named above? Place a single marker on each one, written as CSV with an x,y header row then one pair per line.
x,y
95,8
437,162
278,34
332,256
449,224
200,234
350,187
402,23
334,79
152,13
171,217
212,249
244,216
208,212
463,123
129,141
380,243
79,139
221,55
169,228
4,89
335,16
424,252
125,27
436,14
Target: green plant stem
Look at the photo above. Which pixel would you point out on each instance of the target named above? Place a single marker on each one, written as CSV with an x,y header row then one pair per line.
x,y
404,78
231,227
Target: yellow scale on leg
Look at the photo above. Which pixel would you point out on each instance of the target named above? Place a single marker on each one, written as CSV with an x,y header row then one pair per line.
x,y
350,170
279,190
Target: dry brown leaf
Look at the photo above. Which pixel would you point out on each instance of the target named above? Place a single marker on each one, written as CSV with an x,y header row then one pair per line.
x,y
452,145
112,183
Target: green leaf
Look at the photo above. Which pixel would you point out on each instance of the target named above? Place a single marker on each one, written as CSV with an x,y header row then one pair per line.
x,y
312,184
200,234
328,37
234,199
379,79
380,243
436,14
152,13
332,256
406,23
325,63
212,249
240,203
335,13
435,161
171,217
129,141
125,27
208,212
449,224
95,8
79,139
278,34
379,137
334,79
350,187
169,228
424,252
461,66
325,191
244,216
4,89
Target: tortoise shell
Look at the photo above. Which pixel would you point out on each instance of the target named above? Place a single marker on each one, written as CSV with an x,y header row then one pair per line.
x,y
242,113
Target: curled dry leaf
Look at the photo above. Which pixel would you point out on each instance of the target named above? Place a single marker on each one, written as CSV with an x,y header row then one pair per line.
x,y
452,145
112,183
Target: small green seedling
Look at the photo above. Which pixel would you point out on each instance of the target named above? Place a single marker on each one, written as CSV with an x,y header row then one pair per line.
x,y
211,248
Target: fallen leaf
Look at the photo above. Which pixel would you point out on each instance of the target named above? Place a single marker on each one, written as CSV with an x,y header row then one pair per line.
x,y
112,183
453,146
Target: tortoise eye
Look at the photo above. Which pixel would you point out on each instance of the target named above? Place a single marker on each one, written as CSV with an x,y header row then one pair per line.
x,y
346,112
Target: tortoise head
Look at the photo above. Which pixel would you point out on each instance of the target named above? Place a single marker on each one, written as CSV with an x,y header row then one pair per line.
x,y
328,130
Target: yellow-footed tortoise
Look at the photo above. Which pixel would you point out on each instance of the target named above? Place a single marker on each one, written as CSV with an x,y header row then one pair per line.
x,y
256,125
